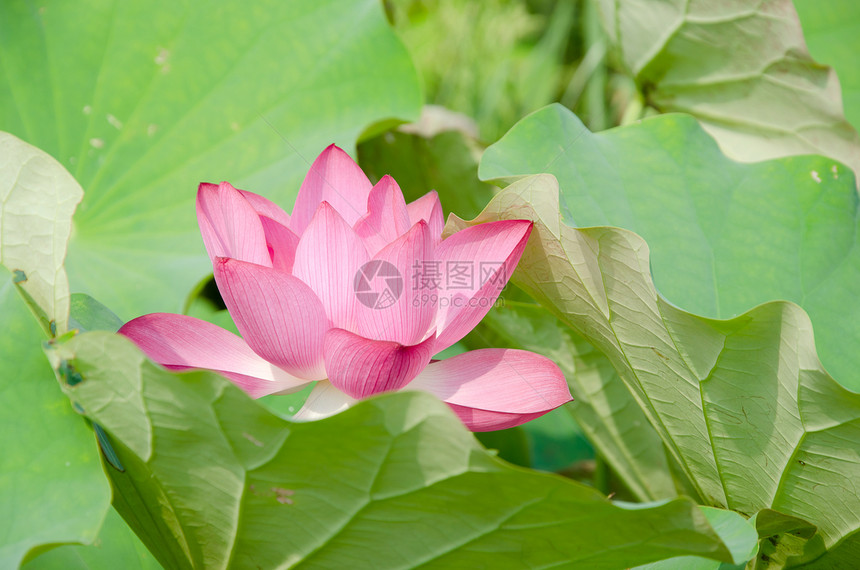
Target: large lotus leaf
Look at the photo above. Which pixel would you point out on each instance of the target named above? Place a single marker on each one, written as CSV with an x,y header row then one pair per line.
x,y
141,101
743,404
742,68
724,236
832,32
37,199
213,479
52,488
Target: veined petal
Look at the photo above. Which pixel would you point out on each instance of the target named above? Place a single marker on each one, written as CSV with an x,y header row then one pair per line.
x,y
484,420
334,178
265,207
428,208
281,242
362,367
495,388
278,315
180,342
386,218
229,225
328,257
388,307
476,263
324,400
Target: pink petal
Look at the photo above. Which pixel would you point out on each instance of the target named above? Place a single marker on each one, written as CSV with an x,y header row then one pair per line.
x,y
386,218
265,207
483,420
324,400
334,178
361,367
428,208
278,315
229,224
476,264
388,309
495,388
180,342
282,244
328,258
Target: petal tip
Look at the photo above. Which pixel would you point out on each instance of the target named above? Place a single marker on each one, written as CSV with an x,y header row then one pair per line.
x,y
204,186
334,149
525,226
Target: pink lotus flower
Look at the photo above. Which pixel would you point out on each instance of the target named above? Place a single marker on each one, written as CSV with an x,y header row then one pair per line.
x,y
300,289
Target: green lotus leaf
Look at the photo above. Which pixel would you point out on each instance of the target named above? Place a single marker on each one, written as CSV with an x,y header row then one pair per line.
x,y
724,236
744,404
142,101
211,478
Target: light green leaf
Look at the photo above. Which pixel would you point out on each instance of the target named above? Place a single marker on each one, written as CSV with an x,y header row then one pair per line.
x,y
736,533
742,68
743,404
724,236
163,95
52,488
213,479
115,547
832,32
37,199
